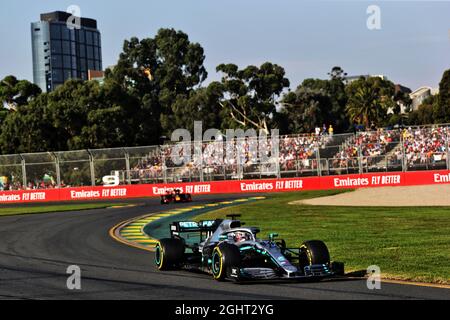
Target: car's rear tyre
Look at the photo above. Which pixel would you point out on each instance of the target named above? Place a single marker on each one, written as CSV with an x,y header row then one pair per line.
x,y
169,253
224,256
313,252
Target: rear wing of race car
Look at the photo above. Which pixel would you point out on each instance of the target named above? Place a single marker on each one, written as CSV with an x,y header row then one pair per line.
x,y
205,228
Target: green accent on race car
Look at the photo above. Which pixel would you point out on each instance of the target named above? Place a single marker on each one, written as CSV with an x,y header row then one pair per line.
x,y
272,236
157,255
215,263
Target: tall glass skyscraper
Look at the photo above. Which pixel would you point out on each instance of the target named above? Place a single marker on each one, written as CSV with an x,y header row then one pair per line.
x,y
60,53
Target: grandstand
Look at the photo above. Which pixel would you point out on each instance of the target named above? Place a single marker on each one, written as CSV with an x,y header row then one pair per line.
x,y
408,149
426,148
367,152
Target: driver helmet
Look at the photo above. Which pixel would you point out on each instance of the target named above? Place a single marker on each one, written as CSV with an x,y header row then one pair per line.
x,y
240,236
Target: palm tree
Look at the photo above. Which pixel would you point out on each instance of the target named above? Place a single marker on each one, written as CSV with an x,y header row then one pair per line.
x,y
361,106
369,100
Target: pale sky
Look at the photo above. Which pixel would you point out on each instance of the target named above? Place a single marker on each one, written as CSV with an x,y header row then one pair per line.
x,y
307,38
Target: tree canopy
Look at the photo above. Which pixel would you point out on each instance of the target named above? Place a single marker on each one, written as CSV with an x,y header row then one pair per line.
x,y
15,93
369,100
444,98
317,102
250,95
159,73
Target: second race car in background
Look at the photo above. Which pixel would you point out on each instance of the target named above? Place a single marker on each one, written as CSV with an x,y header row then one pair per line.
x,y
175,196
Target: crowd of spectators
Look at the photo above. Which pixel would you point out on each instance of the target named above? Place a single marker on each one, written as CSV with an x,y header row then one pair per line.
x,y
148,168
5,185
46,182
370,145
293,151
299,152
425,145
224,157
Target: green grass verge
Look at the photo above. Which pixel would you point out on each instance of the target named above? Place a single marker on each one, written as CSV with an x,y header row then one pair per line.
x,y
12,211
407,243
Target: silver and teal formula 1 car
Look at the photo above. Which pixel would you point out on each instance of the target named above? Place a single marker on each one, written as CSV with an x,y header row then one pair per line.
x,y
228,250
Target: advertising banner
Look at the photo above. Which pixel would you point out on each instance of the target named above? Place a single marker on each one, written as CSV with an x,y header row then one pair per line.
x,y
353,181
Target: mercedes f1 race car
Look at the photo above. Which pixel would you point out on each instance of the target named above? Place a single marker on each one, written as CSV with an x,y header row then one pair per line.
x,y
175,196
227,250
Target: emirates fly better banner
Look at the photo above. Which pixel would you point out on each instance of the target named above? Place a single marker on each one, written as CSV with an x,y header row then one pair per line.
x,y
224,187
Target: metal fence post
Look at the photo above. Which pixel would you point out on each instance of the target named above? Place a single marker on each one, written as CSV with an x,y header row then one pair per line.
x,y
404,160
24,171
319,169
239,165
58,172
92,167
202,178
278,167
164,165
360,160
127,165
198,155
446,149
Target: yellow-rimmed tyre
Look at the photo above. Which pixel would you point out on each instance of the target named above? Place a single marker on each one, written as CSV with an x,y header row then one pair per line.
x,y
224,257
169,253
313,252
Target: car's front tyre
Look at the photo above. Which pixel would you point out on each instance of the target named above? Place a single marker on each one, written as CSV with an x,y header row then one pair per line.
x,y
313,252
224,256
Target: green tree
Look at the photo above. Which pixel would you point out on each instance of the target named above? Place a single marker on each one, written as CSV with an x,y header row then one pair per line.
x,y
305,109
251,95
3,114
442,109
201,104
425,113
316,102
90,115
335,89
158,72
68,107
29,129
77,115
369,100
15,93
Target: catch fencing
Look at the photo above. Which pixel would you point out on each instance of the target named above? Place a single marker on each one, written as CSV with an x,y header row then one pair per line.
x,y
297,156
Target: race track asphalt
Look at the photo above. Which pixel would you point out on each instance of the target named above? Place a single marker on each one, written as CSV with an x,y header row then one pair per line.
x,y
36,250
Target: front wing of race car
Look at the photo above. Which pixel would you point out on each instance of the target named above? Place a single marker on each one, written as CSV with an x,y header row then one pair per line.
x,y
313,272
